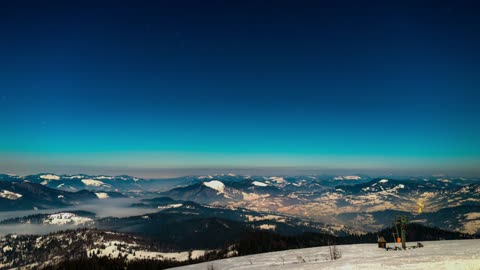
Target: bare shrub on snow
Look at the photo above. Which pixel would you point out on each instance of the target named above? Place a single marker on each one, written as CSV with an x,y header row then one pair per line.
x,y
300,259
333,253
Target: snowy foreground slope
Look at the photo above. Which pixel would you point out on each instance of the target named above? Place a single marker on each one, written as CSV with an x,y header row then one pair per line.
x,y
452,254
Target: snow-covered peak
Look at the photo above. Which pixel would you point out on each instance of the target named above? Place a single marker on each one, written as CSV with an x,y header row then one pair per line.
x,y
75,176
92,182
383,181
50,177
277,179
347,177
123,177
260,184
10,195
102,195
104,177
215,184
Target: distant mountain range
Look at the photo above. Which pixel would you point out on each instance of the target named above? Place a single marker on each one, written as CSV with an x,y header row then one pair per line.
x,y
26,195
354,203
225,213
73,183
339,203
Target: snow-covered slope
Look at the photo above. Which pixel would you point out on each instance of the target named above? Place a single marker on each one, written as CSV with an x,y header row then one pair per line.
x,y
9,195
348,177
38,251
66,218
92,182
216,185
260,184
453,254
50,177
102,195
133,251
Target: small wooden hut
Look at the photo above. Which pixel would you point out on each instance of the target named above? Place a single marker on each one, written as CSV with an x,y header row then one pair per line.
x,y
382,243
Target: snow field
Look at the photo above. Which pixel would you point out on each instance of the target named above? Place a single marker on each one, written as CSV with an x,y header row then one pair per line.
x,y
452,255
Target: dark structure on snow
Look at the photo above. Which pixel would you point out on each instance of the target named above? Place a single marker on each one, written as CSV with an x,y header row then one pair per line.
x,y
382,243
400,234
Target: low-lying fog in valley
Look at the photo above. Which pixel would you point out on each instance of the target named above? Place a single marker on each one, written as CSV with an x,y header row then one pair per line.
x,y
104,208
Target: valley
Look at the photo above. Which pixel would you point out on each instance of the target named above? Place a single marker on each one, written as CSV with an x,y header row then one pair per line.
x,y
214,212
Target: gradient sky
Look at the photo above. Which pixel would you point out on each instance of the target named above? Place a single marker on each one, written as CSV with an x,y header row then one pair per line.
x,y
139,87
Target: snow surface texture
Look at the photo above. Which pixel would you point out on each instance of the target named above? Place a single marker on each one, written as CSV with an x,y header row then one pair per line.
x,y
453,254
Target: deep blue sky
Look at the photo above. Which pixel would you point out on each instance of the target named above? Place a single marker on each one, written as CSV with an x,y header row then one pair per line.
x,y
122,87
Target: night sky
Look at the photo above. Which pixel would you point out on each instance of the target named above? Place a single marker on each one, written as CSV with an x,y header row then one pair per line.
x,y
140,87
